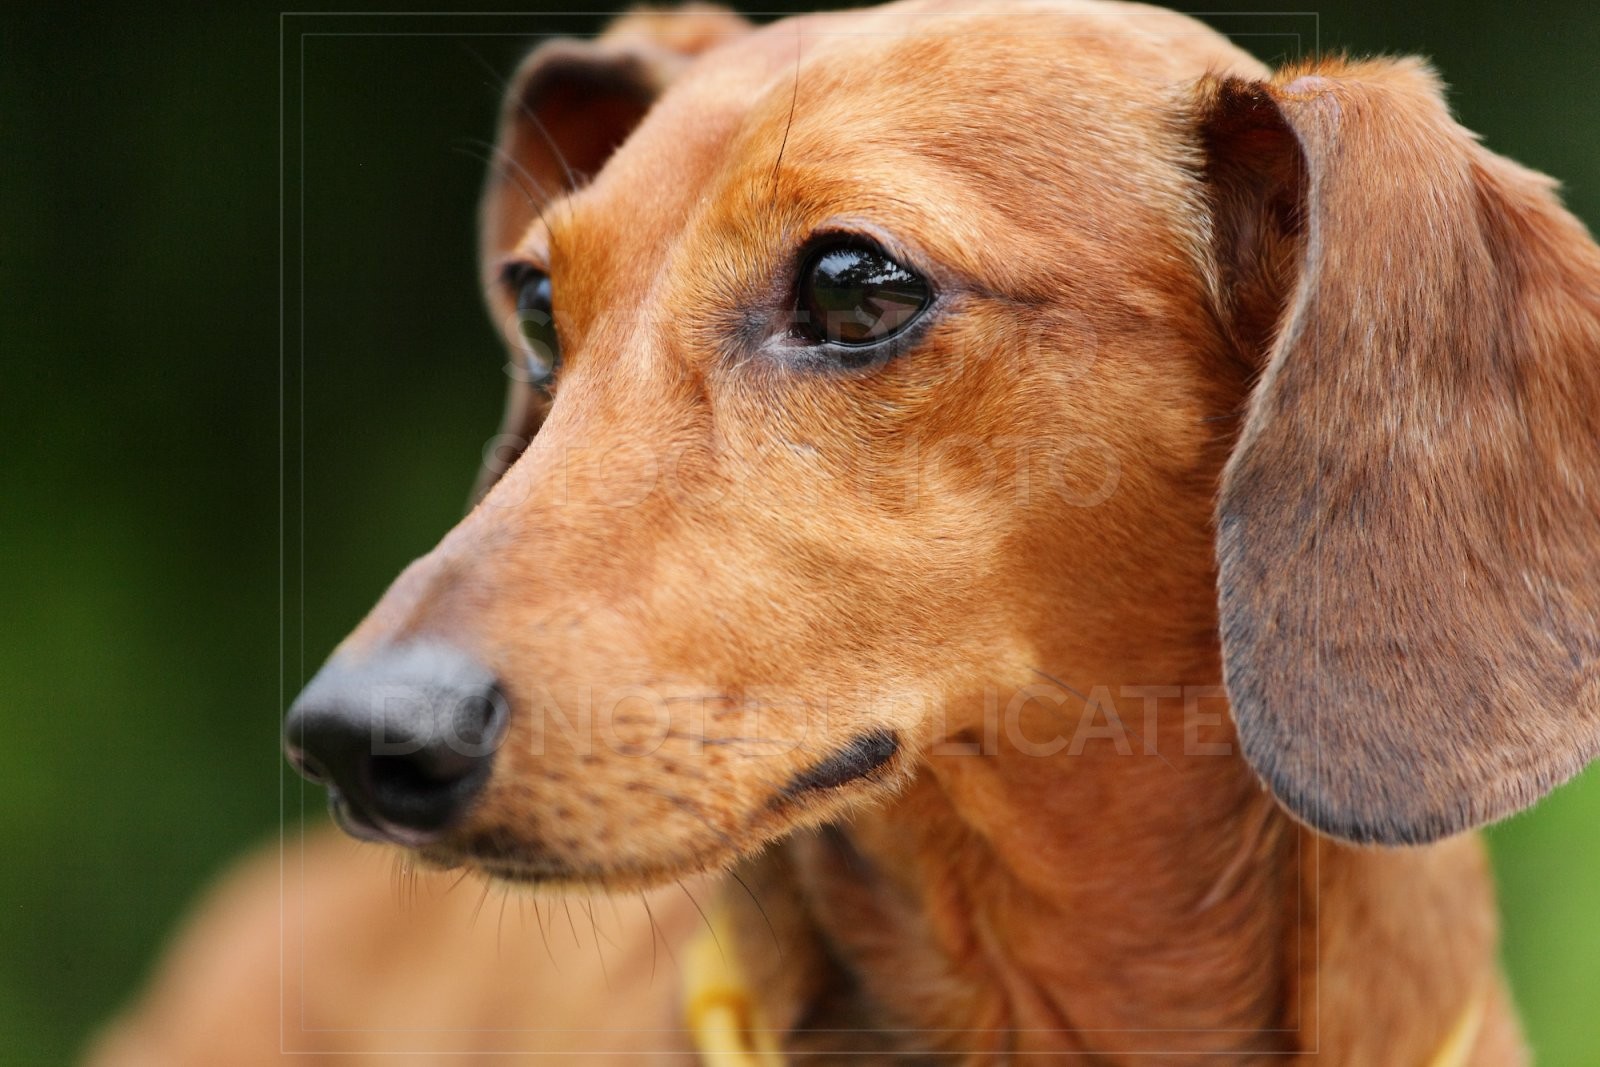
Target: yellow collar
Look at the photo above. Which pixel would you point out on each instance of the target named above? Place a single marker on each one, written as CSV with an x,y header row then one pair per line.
x,y
723,1020
1463,1036
726,1026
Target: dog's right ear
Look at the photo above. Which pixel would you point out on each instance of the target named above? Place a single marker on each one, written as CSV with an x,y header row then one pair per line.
x,y
567,108
1409,526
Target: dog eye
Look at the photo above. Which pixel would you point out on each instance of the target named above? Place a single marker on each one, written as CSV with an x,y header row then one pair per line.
x,y
856,295
536,325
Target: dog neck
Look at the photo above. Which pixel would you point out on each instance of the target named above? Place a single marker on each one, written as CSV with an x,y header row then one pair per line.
x,y
1123,877
1085,864
1112,902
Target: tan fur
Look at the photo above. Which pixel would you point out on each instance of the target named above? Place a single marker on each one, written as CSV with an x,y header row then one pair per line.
x,y
323,953
1446,670
710,572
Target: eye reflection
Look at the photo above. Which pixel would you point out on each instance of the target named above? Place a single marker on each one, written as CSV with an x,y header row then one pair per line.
x,y
856,295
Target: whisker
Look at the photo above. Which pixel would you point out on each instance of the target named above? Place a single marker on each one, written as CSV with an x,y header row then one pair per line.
x,y
503,86
666,942
507,166
599,954
478,908
653,932
566,904
587,904
712,930
497,166
544,936
794,97
751,894
500,923
506,159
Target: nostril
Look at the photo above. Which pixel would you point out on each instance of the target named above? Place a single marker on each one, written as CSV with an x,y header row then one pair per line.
x,y
423,772
422,793
304,765
430,786
352,820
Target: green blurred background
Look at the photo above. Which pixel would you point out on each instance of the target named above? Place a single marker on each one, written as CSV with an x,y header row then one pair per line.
x,y
146,453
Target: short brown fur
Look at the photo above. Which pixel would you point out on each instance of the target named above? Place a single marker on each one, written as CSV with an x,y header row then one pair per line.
x,y
1308,296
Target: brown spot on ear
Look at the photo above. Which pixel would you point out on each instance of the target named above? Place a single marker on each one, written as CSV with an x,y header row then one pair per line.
x,y
1409,529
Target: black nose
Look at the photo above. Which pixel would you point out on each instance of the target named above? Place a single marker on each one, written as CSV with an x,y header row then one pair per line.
x,y
403,739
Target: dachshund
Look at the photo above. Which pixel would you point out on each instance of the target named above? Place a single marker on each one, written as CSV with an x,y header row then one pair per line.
x,y
1068,529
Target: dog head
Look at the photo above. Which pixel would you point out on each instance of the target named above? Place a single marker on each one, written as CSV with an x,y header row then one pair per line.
x,y
870,364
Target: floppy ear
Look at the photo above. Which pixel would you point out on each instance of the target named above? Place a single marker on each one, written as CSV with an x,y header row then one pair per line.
x,y
567,108
1409,527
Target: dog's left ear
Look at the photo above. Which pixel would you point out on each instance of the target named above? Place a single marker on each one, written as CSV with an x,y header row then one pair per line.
x,y
566,109
1409,526
572,102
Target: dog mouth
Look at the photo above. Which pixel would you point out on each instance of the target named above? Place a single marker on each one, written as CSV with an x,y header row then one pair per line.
x,y
866,763
363,827
550,873
524,872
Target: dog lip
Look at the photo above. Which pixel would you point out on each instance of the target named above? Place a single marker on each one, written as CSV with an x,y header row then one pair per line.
x,y
364,827
856,760
530,874
532,868
524,871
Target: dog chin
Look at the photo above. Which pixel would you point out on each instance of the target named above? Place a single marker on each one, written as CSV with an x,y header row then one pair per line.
x,y
547,873
861,774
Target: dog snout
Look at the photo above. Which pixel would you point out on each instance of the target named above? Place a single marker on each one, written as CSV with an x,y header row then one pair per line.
x,y
404,739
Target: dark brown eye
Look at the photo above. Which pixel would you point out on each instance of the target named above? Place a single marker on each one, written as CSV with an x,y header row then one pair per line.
x,y
855,295
536,328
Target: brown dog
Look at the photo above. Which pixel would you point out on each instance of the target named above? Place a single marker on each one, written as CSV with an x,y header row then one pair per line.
x,y
977,451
